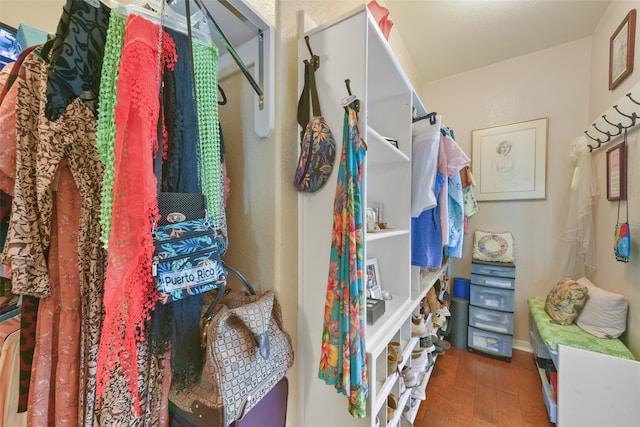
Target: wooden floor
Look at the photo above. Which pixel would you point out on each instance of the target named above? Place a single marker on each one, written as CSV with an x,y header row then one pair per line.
x,y
468,389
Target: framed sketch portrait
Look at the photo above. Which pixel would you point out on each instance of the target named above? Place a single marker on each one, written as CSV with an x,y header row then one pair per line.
x,y
374,290
509,162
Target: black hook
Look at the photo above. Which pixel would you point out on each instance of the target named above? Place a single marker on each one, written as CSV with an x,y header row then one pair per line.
x,y
633,117
603,132
355,104
617,126
315,59
347,82
591,148
634,101
223,95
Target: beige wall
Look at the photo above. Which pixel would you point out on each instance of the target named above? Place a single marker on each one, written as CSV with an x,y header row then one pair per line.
x,y
568,84
551,83
611,274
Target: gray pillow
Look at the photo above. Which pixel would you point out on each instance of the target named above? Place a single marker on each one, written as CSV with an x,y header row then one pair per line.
x,y
604,315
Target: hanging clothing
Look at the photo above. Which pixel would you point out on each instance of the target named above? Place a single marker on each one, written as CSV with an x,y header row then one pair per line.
x,y
54,391
41,146
426,237
451,158
343,361
206,66
579,252
424,165
470,203
9,370
456,217
130,289
106,133
76,57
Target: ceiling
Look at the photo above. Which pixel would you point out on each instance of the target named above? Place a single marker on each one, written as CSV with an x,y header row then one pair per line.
x,y
447,37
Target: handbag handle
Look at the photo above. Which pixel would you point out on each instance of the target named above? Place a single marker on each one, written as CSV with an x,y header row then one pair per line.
x,y
248,287
309,94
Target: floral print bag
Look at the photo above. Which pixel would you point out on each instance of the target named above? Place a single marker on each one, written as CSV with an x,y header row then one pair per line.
x,y
317,146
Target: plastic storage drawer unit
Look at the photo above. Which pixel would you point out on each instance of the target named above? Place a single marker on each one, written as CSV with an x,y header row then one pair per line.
x,y
493,269
493,298
550,402
489,342
498,282
491,320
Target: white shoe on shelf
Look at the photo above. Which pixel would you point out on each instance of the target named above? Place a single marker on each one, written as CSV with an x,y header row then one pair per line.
x,y
418,327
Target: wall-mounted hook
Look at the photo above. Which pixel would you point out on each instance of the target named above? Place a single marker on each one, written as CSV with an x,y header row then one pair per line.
x,y
633,117
347,83
633,100
350,100
603,132
591,147
315,59
617,126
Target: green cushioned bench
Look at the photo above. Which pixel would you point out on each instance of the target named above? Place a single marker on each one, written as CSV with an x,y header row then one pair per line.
x,y
572,335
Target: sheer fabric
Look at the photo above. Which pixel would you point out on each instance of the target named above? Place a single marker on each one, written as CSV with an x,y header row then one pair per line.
x,y
76,57
106,134
578,250
130,291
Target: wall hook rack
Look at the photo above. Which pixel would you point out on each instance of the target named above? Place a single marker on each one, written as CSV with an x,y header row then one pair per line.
x,y
621,117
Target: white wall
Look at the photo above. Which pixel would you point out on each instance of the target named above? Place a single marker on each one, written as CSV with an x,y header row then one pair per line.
x,y
611,274
550,83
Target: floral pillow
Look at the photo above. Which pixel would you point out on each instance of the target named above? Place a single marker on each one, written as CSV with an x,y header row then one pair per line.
x,y
565,301
492,246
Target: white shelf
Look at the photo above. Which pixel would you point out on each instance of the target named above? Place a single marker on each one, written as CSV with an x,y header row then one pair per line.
x,y
383,330
382,152
353,47
385,234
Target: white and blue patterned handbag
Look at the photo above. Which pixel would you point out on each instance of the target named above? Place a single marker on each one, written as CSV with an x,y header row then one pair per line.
x,y
187,259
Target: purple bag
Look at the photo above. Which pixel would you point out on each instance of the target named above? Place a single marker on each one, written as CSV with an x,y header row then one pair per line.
x,y
317,145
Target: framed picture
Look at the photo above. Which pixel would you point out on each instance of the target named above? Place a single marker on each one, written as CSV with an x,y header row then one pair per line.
x,y
509,162
621,50
374,289
616,173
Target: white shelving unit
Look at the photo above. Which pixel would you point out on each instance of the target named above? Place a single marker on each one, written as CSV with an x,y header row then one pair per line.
x,y
353,48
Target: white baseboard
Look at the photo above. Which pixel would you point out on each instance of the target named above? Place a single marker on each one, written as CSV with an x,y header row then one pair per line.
x,y
522,345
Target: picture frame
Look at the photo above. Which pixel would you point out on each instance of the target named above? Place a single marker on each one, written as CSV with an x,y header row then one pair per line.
x,y
622,49
616,173
374,287
509,162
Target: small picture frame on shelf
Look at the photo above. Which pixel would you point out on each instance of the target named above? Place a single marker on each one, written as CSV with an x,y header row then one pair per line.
x,y
374,288
392,141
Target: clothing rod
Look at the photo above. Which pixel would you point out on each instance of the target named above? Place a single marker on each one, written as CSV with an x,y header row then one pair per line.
x,y
233,52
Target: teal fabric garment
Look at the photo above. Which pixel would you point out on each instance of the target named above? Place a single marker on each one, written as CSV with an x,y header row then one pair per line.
x,y
343,361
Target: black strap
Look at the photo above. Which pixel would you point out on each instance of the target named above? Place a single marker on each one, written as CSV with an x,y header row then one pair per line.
x,y
248,288
624,152
303,102
308,96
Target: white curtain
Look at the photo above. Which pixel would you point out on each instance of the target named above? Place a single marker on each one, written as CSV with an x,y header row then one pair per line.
x,y
578,237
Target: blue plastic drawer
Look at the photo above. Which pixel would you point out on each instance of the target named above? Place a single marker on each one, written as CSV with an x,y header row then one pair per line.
x,y
493,298
489,342
491,320
502,270
495,281
550,402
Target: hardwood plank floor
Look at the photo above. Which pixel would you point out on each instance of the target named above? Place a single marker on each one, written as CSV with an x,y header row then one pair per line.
x,y
469,389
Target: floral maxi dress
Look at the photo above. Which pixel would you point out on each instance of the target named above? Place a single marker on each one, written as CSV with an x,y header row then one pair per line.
x,y
343,357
